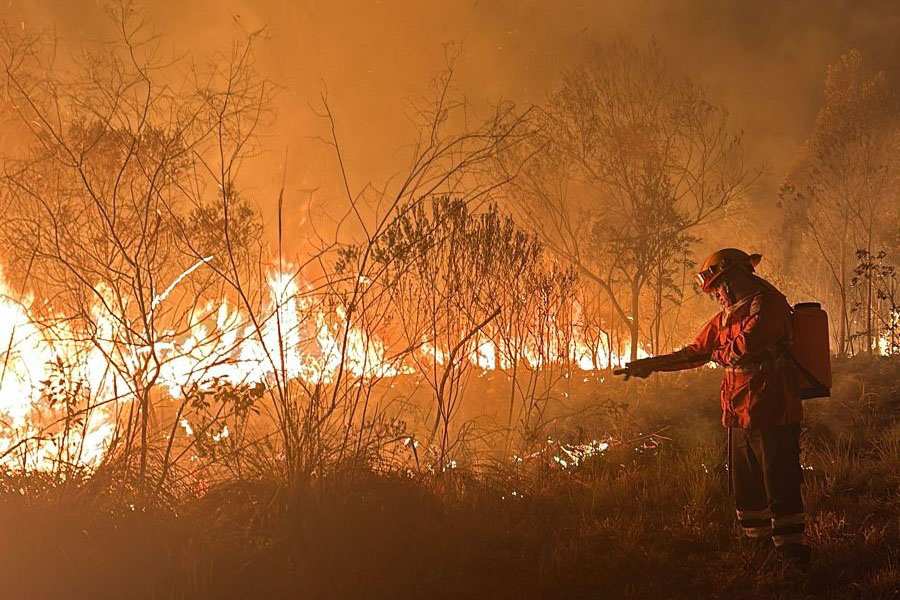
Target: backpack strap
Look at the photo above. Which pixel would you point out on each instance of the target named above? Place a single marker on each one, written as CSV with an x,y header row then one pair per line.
x,y
818,388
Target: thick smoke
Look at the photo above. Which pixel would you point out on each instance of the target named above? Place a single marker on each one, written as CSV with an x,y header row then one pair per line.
x,y
764,61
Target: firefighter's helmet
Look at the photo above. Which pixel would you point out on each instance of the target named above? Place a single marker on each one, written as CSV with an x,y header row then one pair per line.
x,y
722,261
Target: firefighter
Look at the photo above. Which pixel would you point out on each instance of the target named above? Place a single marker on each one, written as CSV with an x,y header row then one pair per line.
x,y
750,338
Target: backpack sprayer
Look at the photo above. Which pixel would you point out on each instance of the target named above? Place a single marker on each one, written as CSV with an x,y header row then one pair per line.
x,y
810,352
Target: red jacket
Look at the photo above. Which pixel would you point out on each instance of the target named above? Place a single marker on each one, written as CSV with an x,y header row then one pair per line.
x,y
759,388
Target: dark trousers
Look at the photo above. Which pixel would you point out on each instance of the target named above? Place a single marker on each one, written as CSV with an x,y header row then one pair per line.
x,y
766,477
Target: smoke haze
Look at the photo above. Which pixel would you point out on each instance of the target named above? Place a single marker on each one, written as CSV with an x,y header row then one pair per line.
x,y
764,61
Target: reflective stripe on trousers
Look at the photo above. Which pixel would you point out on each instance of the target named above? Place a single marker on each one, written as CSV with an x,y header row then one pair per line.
x,y
788,529
755,523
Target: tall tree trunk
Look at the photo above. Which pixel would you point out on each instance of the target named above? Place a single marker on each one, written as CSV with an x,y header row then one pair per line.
x,y
610,353
633,328
842,291
869,333
142,472
870,272
657,325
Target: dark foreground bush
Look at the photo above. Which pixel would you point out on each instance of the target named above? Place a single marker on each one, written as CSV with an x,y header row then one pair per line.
x,y
621,525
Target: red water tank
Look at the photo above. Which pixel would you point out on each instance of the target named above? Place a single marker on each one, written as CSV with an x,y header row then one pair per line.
x,y
811,350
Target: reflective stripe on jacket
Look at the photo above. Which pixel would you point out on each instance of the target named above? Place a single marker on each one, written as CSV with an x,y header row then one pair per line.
x,y
759,387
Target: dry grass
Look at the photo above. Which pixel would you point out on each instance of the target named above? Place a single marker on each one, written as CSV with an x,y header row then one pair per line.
x,y
626,524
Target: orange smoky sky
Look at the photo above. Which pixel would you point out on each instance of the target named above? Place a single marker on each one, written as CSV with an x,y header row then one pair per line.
x,y
763,60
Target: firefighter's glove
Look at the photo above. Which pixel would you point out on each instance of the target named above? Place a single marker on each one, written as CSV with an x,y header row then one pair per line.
x,y
642,368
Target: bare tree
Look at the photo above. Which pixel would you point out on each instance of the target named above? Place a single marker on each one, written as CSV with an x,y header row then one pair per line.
x,y
105,204
630,163
440,259
842,191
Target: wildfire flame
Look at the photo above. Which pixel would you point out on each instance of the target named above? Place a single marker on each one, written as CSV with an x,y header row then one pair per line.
x,y
297,340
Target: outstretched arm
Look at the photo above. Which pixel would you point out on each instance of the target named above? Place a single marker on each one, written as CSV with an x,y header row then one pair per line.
x,y
696,354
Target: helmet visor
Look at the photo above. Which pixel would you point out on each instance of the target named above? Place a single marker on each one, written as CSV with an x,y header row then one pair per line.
x,y
705,277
